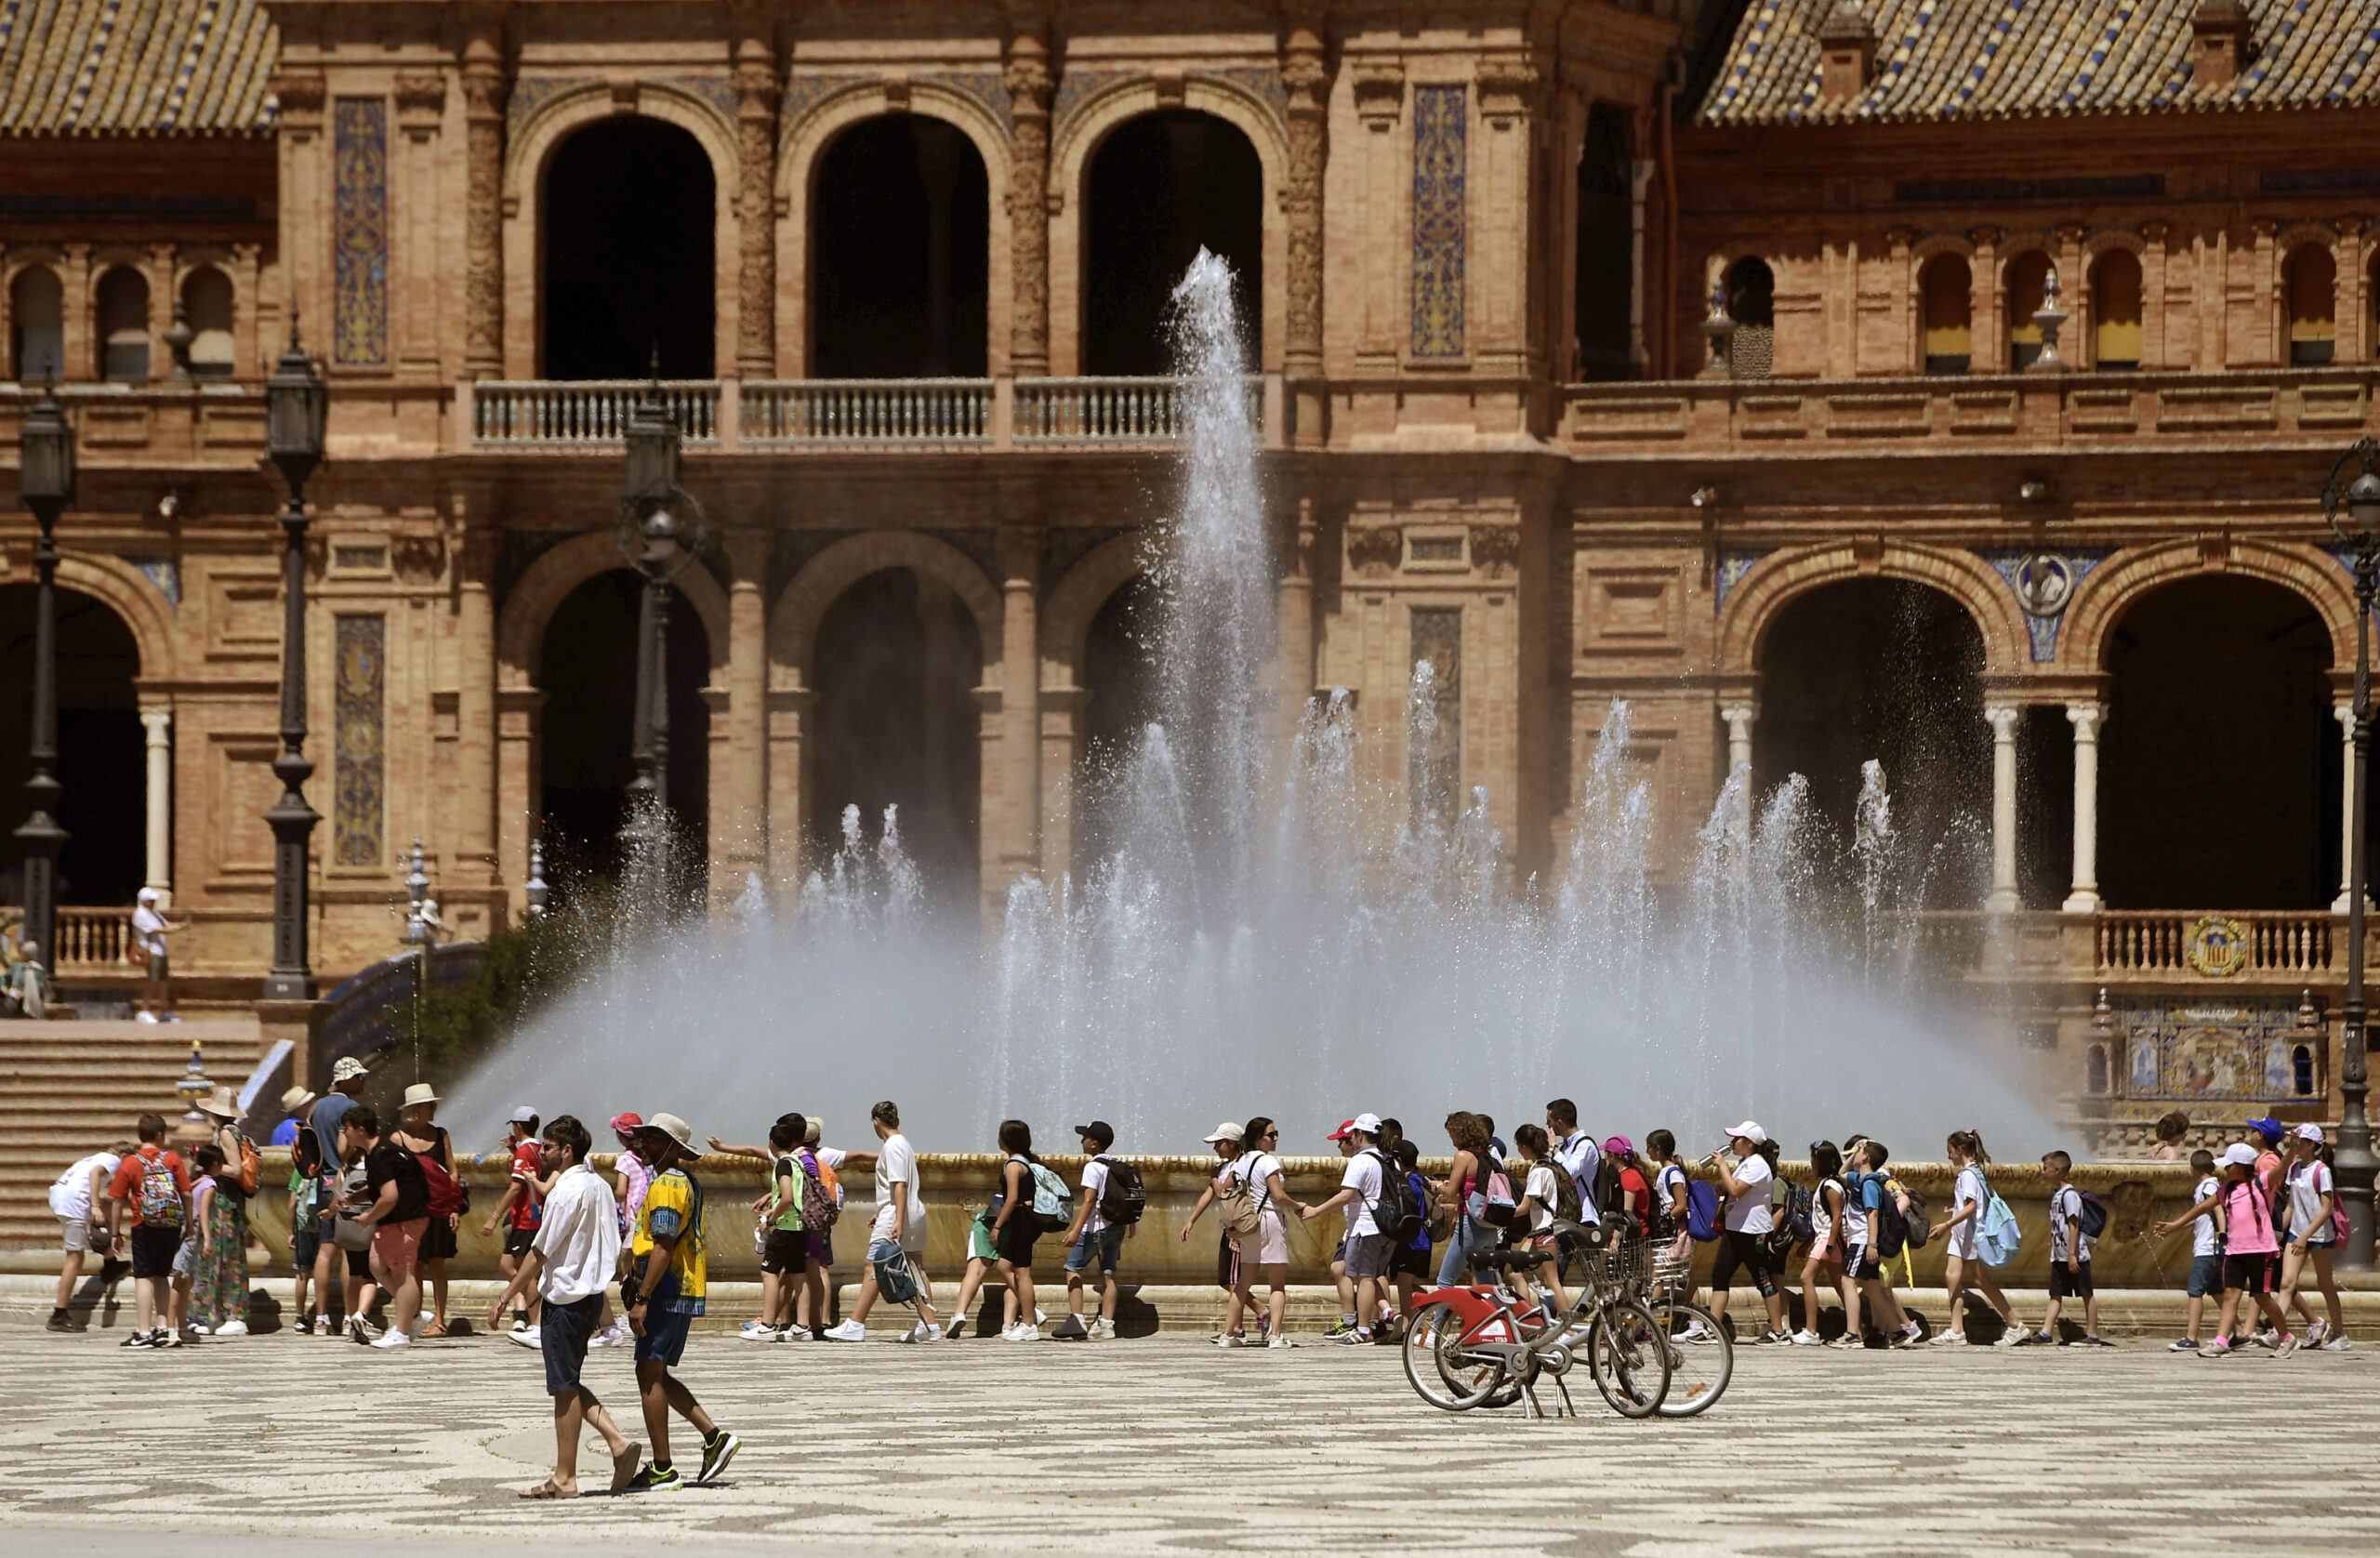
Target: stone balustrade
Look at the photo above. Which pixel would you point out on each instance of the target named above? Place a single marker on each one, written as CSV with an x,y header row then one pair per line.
x,y
860,412
90,941
548,413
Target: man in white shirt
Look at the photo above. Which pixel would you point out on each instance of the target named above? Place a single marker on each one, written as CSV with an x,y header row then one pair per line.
x,y
1577,1152
148,932
571,1260
1368,1249
897,1240
78,1200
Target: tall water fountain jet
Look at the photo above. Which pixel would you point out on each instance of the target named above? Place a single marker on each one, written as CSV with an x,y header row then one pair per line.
x,y
1295,927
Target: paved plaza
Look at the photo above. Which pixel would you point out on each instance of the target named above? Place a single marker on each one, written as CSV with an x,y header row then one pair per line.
x,y
1167,1446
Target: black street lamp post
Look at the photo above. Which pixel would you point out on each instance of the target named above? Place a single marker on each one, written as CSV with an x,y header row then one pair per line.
x,y
661,532
45,484
2353,509
296,403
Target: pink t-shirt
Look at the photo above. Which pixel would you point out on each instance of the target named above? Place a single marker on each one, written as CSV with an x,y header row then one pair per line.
x,y
2250,1220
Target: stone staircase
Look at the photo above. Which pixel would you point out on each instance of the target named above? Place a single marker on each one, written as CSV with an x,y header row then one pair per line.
x,y
70,1088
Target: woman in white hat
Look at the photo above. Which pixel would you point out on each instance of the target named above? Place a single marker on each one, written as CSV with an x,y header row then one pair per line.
x,y
2313,1198
419,1134
219,1304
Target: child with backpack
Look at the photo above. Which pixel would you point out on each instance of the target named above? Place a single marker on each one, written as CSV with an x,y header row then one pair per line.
x,y
2316,1223
1540,1193
784,1243
1825,1252
1870,1215
2071,1238
1970,1199
1366,1194
2206,1244
1674,1216
1410,1264
1030,1195
149,1190
1109,1212
2248,1243
306,1202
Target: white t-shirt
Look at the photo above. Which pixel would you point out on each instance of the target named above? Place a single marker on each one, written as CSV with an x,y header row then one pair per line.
x,y
1822,1212
2309,1183
1579,1154
1748,1213
1540,1186
1666,1185
1094,1186
70,1197
578,1234
147,931
1970,1187
1363,1178
2065,1207
1256,1169
896,1164
831,1158
2203,1235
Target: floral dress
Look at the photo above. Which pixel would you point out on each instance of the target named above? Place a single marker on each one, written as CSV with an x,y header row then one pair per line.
x,y
219,1288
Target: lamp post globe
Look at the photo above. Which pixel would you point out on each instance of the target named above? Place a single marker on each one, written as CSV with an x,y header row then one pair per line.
x,y
2353,509
296,407
45,486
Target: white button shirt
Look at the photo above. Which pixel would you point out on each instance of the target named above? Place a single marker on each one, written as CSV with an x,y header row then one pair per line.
x,y
579,1238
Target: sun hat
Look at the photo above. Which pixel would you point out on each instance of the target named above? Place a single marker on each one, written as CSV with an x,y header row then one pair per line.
x,y
1750,1130
522,1116
626,1120
421,1092
1619,1146
673,1127
812,1132
348,1069
2239,1153
1228,1131
2269,1129
223,1103
295,1100
2308,1132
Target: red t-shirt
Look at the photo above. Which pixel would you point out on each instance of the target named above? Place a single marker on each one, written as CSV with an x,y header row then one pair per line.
x,y
125,1186
1640,1197
525,1169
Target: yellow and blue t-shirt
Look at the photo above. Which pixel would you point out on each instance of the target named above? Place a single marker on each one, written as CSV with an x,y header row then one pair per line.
x,y
673,1209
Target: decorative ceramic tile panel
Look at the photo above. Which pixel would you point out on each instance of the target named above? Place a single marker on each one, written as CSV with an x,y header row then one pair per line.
x,y
1733,566
2198,1052
1434,752
1440,123
531,93
163,572
358,805
2043,583
360,233
984,86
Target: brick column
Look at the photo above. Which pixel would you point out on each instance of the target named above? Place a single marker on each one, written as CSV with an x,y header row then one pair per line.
x,y
475,744
740,831
1307,79
756,131
1019,754
486,86
1030,87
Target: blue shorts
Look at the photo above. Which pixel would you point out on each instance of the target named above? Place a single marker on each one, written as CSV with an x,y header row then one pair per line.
x,y
894,1279
664,1340
303,1248
2206,1275
563,1333
1108,1244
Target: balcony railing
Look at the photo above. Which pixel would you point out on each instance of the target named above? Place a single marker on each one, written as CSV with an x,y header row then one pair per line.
x,y
1130,411
90,941
2271,942
553,414
863,411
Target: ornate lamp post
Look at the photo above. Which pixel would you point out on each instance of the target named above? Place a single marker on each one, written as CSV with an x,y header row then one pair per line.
x,y
45,486
296,404
2353,509
661,532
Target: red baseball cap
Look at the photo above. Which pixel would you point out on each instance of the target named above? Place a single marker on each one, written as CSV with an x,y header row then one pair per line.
x,y
1346,1128
626,1120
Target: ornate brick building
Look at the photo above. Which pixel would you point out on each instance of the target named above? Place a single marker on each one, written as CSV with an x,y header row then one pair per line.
x,y
1995,456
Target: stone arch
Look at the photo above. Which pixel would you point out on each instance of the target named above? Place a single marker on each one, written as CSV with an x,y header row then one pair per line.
x,y
1752,605
530,151
1078,139
2109,238
13,267
1065,616
129,593
1922,256
529,605
2112,588
801,605
802,151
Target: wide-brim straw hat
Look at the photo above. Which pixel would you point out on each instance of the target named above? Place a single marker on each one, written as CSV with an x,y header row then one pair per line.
x,y
673,1127
223,1103
421,1092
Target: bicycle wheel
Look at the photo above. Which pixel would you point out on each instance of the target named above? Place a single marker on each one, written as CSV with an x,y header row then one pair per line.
x,y
1629,1359
1439,1369
1698,1370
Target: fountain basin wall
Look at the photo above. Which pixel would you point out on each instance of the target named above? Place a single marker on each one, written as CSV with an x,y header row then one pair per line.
x,y
957,1186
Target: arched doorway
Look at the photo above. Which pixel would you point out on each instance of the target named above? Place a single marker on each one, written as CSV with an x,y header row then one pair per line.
x,y
586,759
1888,670
1161,188
900,245
897,663
103,781
2219,768
629,214
1119,682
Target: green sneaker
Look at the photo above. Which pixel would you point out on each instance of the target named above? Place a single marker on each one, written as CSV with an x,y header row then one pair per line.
x,y
1346,1324
655,1478
717,1450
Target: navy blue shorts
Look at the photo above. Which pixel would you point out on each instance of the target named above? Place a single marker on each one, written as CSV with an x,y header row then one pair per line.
x,y
664,1340
2206,1276
303,1248
563,1334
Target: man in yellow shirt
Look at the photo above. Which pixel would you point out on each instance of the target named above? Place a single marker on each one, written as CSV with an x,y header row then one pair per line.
x,y
667,1278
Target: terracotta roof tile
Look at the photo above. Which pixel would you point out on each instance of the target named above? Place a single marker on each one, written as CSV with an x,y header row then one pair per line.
x,y
136,67
2007,58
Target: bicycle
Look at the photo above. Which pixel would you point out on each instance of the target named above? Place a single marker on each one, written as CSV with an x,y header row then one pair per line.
x,y
1489,1345
1698,1369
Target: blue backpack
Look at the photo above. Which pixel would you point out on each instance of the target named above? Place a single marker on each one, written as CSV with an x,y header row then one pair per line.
x,y
1997,1237
1701,1210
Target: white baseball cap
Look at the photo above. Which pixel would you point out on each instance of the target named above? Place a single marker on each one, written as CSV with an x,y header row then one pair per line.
x,y
2239,1153
1750,1130
522,1116
1227,1131
1367,1124
2308,1132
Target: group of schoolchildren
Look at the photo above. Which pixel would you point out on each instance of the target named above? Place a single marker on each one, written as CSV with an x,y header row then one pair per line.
x,y
2259,1219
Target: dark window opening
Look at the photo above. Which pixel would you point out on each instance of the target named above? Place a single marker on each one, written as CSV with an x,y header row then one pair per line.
x,y
1605,289
1120,679
1752,290
1161,188
900,246
103,781
629,215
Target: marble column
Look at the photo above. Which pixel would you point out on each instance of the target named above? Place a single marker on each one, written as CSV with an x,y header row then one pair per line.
x,y
2344,714
1030,87
486,85
2084,896
158,725
1739,718
2003,718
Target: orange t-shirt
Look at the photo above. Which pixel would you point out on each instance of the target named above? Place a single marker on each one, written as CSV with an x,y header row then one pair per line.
x,y
126,1186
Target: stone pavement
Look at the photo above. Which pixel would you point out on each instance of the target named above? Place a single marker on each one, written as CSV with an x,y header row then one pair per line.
x,y
1168,1446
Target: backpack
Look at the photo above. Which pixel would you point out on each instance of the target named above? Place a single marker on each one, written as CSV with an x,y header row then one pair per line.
x,y
1566,1196
1396,1214
1701,1210
1498,1204
820,1211
161,1199
1916,1227
250,1168
2094,1215
1997,1237
1241,1203
1124,1198
1424,1202
1611,1200
1053,1209
1789,1223
446,1197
